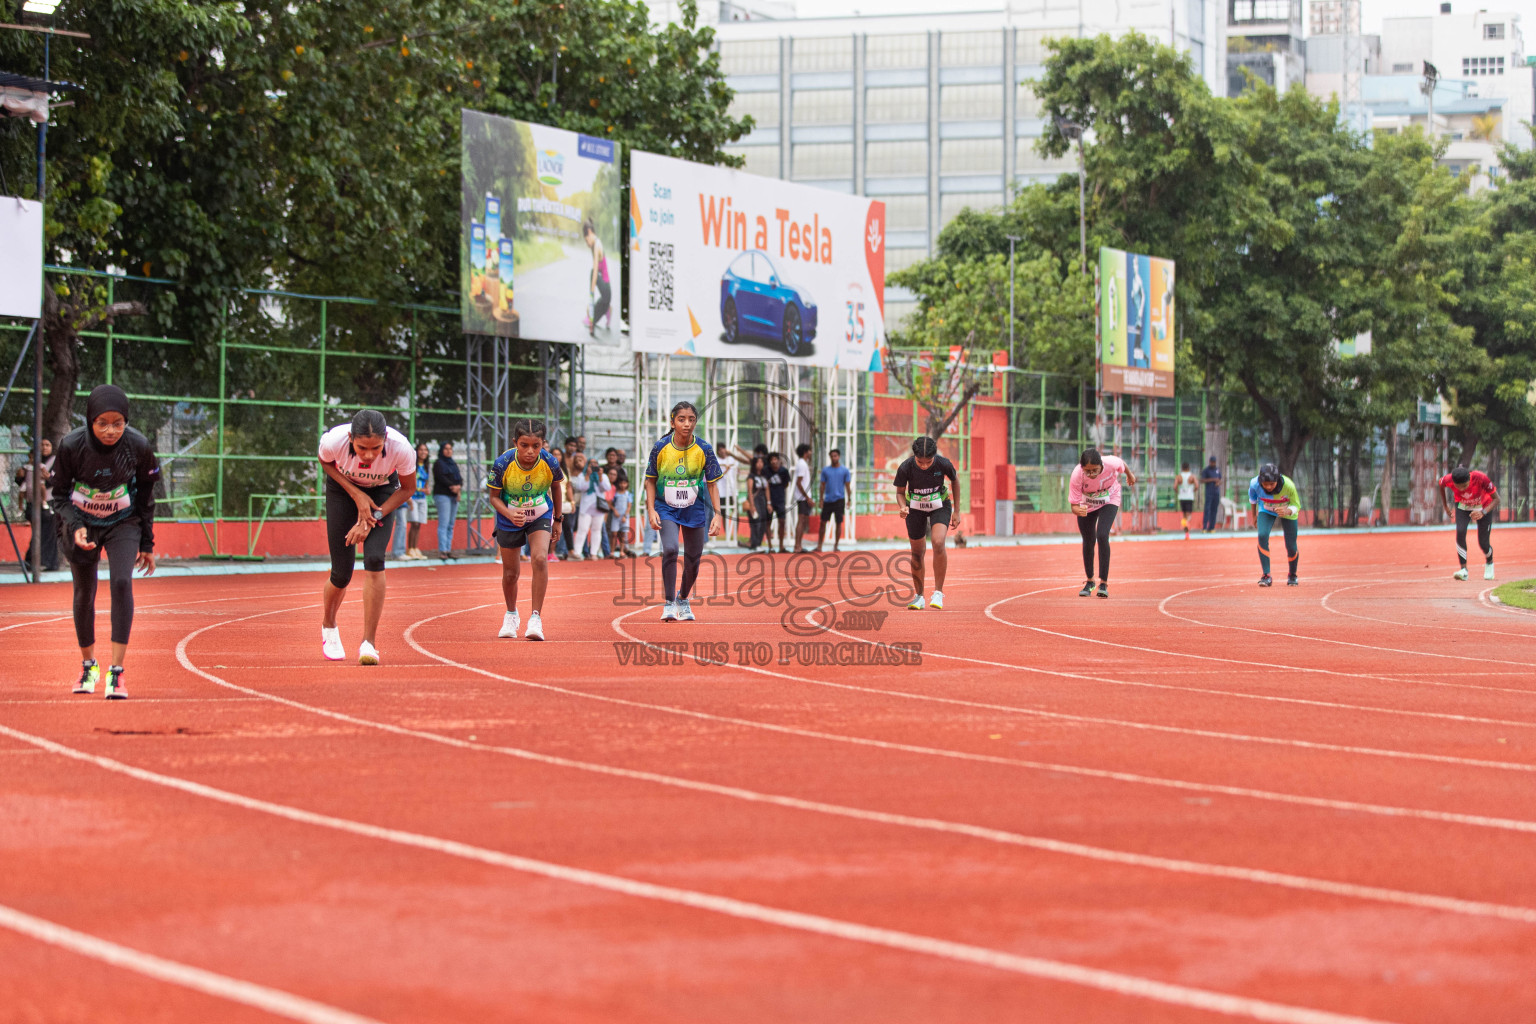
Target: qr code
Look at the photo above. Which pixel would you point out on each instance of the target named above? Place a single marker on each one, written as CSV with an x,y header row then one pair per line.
x,y
661,276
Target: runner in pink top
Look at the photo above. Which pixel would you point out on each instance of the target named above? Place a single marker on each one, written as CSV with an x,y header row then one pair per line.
x,y
1094,493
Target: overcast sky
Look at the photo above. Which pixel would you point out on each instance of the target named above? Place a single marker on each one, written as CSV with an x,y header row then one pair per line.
x,y
1371,12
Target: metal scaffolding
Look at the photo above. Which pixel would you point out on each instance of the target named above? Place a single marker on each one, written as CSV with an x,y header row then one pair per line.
x,y
487,426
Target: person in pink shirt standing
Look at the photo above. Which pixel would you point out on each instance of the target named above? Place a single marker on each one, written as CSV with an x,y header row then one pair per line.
x,y
1094,493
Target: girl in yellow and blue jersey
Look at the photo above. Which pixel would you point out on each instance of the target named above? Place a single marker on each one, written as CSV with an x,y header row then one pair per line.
x,y
680,467
523,491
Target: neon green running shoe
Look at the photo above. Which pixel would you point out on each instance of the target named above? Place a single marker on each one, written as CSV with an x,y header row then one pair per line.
x,y
115,688
90,673
1488,571
1459,574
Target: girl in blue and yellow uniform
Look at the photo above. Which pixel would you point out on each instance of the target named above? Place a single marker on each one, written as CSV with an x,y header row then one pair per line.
x,y
681,464
523,491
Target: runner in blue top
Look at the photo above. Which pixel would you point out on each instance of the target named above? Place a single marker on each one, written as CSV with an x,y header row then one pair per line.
x,y
834,497
679,466
522,489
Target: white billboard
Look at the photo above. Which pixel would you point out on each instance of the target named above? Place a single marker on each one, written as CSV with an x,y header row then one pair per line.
x,y
21,257
731,265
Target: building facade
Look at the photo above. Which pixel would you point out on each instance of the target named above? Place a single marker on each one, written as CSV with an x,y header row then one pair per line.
x,y
1264,40
931,113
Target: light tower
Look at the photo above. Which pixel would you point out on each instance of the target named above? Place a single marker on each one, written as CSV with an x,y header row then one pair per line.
x,y
1350,97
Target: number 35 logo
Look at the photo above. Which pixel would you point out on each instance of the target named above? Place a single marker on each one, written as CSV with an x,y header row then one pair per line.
x,y
854,332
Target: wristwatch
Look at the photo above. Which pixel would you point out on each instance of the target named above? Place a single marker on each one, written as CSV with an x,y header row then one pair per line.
x,y
378,514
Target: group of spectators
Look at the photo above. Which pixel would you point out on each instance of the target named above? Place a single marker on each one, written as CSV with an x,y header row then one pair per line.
x,y
770,484
442,479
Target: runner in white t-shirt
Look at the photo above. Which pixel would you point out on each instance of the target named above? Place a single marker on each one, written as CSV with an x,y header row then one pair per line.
x,y
1186,482
370,470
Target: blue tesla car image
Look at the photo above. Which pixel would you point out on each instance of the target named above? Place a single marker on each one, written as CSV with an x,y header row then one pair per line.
x,y
756,301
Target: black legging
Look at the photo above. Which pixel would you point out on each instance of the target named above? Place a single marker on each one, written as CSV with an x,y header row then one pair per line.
x,y
693,550
601,303
340,517
759,525
1095,528
120,543
1484,535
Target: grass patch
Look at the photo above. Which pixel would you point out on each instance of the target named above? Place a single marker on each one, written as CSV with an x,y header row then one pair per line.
x,y
1517,594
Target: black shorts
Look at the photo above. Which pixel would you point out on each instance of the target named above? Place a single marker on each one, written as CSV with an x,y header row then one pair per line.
x,y
1186,505
517,538
776,510
341,516
833,509
919,522
803,506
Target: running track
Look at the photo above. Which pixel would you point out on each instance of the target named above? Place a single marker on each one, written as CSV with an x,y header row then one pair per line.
x,y
1197,801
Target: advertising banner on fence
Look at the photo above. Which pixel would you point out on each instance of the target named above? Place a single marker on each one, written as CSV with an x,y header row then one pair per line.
x,y
1136,323
539,254
21,257
736,266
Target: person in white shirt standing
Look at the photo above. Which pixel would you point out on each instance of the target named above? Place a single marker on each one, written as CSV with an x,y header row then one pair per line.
x,y
370,470
802,485
1186,481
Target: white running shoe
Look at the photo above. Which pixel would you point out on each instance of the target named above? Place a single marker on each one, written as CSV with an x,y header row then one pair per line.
x,y
1488,571
330,644
1459,574
684,610
917,604
367,654
509,623
535,630
936,602
669,612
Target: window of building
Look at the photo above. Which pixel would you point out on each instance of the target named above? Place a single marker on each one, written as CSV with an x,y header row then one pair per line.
x,y
1026,103
1494,31
901,259
822,106
895,159
833,54
899,51
823,160
971,103
1027,161
1029,46
888,106
952,204
971,49
750,57
762,106
971,156
762,160
906,213
1398,69
1482,66
1241,11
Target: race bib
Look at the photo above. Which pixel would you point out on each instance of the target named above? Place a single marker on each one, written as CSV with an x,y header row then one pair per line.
x,y
534,507
1095,499
680,493
1470,506
928,503
100,504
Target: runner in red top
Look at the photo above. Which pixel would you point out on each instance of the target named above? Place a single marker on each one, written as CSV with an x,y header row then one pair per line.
x,y
1475,498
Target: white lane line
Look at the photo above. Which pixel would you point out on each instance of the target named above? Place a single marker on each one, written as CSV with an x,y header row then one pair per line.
x,y
1484,599
1162,606
272,1000
1017,710
816,924
1352,676
1209,691
1412,625
140,700
1256,876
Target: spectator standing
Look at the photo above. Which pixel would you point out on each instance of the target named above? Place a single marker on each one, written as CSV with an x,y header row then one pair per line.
x,y
778,484
1212,478
757,501
33,479
1186,484
802,481
575,490
835,480
447,483
618,518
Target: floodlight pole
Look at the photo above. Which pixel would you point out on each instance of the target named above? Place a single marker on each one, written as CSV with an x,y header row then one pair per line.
x,y
1011,240
1431,77
37,353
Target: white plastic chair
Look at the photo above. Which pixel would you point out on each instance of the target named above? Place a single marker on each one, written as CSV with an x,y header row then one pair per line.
x,y
1236,517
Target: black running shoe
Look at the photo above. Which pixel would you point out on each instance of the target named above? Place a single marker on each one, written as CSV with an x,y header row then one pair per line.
x,y
1087,590
1266,580
1103,589
1292,581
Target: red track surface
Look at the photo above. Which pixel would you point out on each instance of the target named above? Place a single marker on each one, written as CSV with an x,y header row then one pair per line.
x,y
1196,801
